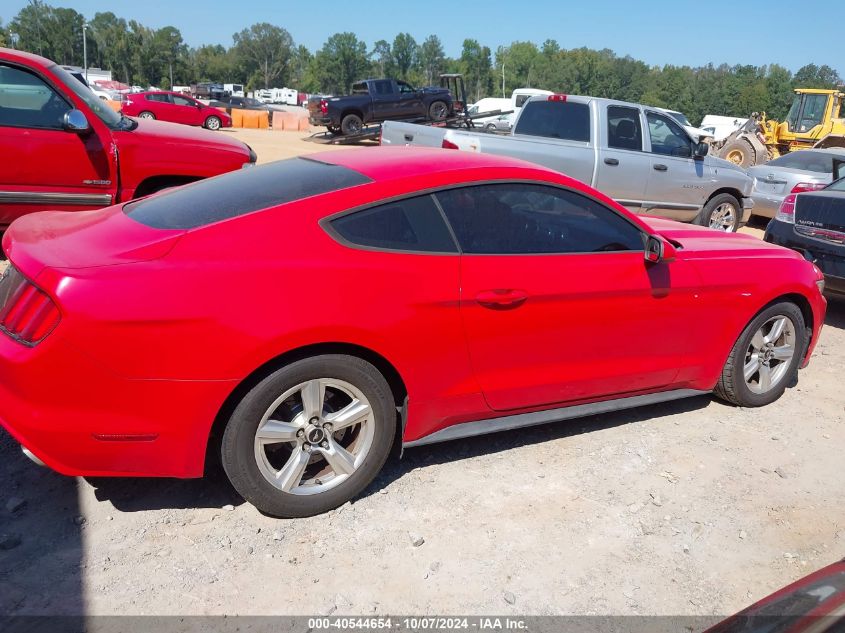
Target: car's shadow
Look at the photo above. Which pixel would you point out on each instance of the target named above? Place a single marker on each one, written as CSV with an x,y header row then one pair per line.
x,y
214,490
835,313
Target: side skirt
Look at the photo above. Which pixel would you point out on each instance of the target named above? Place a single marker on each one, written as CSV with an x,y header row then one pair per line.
x,y
521,420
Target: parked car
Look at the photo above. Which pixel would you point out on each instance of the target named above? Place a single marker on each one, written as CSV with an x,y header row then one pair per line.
x,y
540,299
501,123
376,100
813,223
244,103
176,108
638,155
60,145
807,170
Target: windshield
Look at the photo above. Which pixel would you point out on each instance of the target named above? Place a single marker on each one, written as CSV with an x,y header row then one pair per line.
x,y
108,116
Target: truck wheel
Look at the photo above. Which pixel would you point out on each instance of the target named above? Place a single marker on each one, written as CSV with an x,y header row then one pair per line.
x,y
351,124
334,130
146,115
437,111
212,123
722,213
739,152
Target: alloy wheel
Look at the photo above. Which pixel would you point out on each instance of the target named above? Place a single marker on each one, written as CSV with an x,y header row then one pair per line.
x,y
769,354
723,217
314,436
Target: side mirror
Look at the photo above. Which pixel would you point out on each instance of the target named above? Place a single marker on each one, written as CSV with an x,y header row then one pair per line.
x,y
75,121
658,250
701,149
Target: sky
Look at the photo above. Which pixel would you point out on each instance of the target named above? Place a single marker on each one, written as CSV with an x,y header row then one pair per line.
x,y
681,32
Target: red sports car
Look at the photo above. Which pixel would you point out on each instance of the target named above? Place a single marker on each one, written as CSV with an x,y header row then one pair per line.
x,y
174,107
300,317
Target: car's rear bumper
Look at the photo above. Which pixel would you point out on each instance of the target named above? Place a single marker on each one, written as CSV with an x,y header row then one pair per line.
x,y
320,120
80,418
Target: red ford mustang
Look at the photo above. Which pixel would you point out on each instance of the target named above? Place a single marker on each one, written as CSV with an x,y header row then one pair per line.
x,y
302,316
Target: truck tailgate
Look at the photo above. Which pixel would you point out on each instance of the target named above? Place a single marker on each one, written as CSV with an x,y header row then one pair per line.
x,y
398,133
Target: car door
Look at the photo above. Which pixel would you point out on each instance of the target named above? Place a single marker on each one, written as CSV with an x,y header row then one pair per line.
x,y
410,103
187,110
677,183
383,99
45,166
624,166
557,301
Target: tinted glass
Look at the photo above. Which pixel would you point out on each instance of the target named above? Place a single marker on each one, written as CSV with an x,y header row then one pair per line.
x,y
667,137
813,112
555,119
383,87
403,87
240,192
525,218
159,98
413,224
26,101
624,130
808,160
183,101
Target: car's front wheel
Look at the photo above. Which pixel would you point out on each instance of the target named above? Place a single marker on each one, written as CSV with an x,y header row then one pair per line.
x,y
212,123
764,360
310,436
722,213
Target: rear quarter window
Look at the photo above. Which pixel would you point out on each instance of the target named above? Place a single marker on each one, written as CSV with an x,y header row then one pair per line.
x,y
565,120
241,192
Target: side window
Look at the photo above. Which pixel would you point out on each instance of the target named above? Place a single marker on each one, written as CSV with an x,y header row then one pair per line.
x,y
624,130
383,87
412,224
813,113
404,88
521,218
667,137
360,89
183,101
26,101
156,97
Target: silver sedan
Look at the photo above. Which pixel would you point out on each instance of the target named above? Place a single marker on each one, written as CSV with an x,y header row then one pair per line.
x,y
801,170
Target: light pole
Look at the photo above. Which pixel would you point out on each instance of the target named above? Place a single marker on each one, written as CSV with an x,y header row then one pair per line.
x,y
85,49
503,80
13,38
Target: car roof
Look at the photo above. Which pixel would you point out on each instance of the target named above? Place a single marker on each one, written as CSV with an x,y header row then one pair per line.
x,y
16,55
389,163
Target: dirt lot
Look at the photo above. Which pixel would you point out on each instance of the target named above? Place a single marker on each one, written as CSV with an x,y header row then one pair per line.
x,y
692,507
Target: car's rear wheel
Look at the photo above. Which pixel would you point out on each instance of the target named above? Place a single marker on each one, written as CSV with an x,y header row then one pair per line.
x,y
764,360
722,213
212,123
146,115
351,124
310,436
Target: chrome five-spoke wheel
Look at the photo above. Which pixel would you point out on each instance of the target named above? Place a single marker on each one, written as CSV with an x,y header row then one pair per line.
x,y
723,217
314,436
769,355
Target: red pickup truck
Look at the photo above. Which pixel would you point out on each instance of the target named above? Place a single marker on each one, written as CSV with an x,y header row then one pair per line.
x,y
63,148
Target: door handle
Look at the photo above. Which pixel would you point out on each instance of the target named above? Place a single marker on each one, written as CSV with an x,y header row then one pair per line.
x,y
409,137
660,167
501,298
611,161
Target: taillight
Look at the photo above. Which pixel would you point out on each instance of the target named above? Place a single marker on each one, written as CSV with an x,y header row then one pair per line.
x,y
324,106
557,98
786,212
27,314
808,186
447,144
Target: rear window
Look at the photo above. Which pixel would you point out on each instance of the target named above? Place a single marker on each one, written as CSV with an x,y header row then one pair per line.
x,y
241,192
555,119
808,160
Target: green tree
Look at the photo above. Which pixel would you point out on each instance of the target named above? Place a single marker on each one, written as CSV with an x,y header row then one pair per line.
x,y
432,59
404,54
812,76
476,66
340,62
382,56
266,52
213,63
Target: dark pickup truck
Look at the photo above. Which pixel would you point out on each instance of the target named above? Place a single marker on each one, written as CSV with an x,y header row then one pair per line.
x,y
375,100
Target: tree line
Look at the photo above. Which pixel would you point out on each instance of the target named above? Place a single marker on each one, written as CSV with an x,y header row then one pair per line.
x,y
266,55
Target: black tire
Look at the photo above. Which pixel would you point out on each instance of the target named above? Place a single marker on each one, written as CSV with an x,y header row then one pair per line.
x,y
739,152
438,111
351,124
212,123
238,448
732,386
490,127
722,200
334,130
146,114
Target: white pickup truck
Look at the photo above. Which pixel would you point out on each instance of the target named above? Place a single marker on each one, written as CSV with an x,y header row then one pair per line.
x,y
638,155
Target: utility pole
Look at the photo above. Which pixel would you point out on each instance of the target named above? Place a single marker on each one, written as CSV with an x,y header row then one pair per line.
x,y
503,80
85,49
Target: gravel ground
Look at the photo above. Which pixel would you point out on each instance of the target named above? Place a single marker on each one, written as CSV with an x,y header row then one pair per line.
x,y
687,508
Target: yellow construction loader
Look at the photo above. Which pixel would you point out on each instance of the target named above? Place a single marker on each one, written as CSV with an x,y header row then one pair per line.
x,y
814,120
